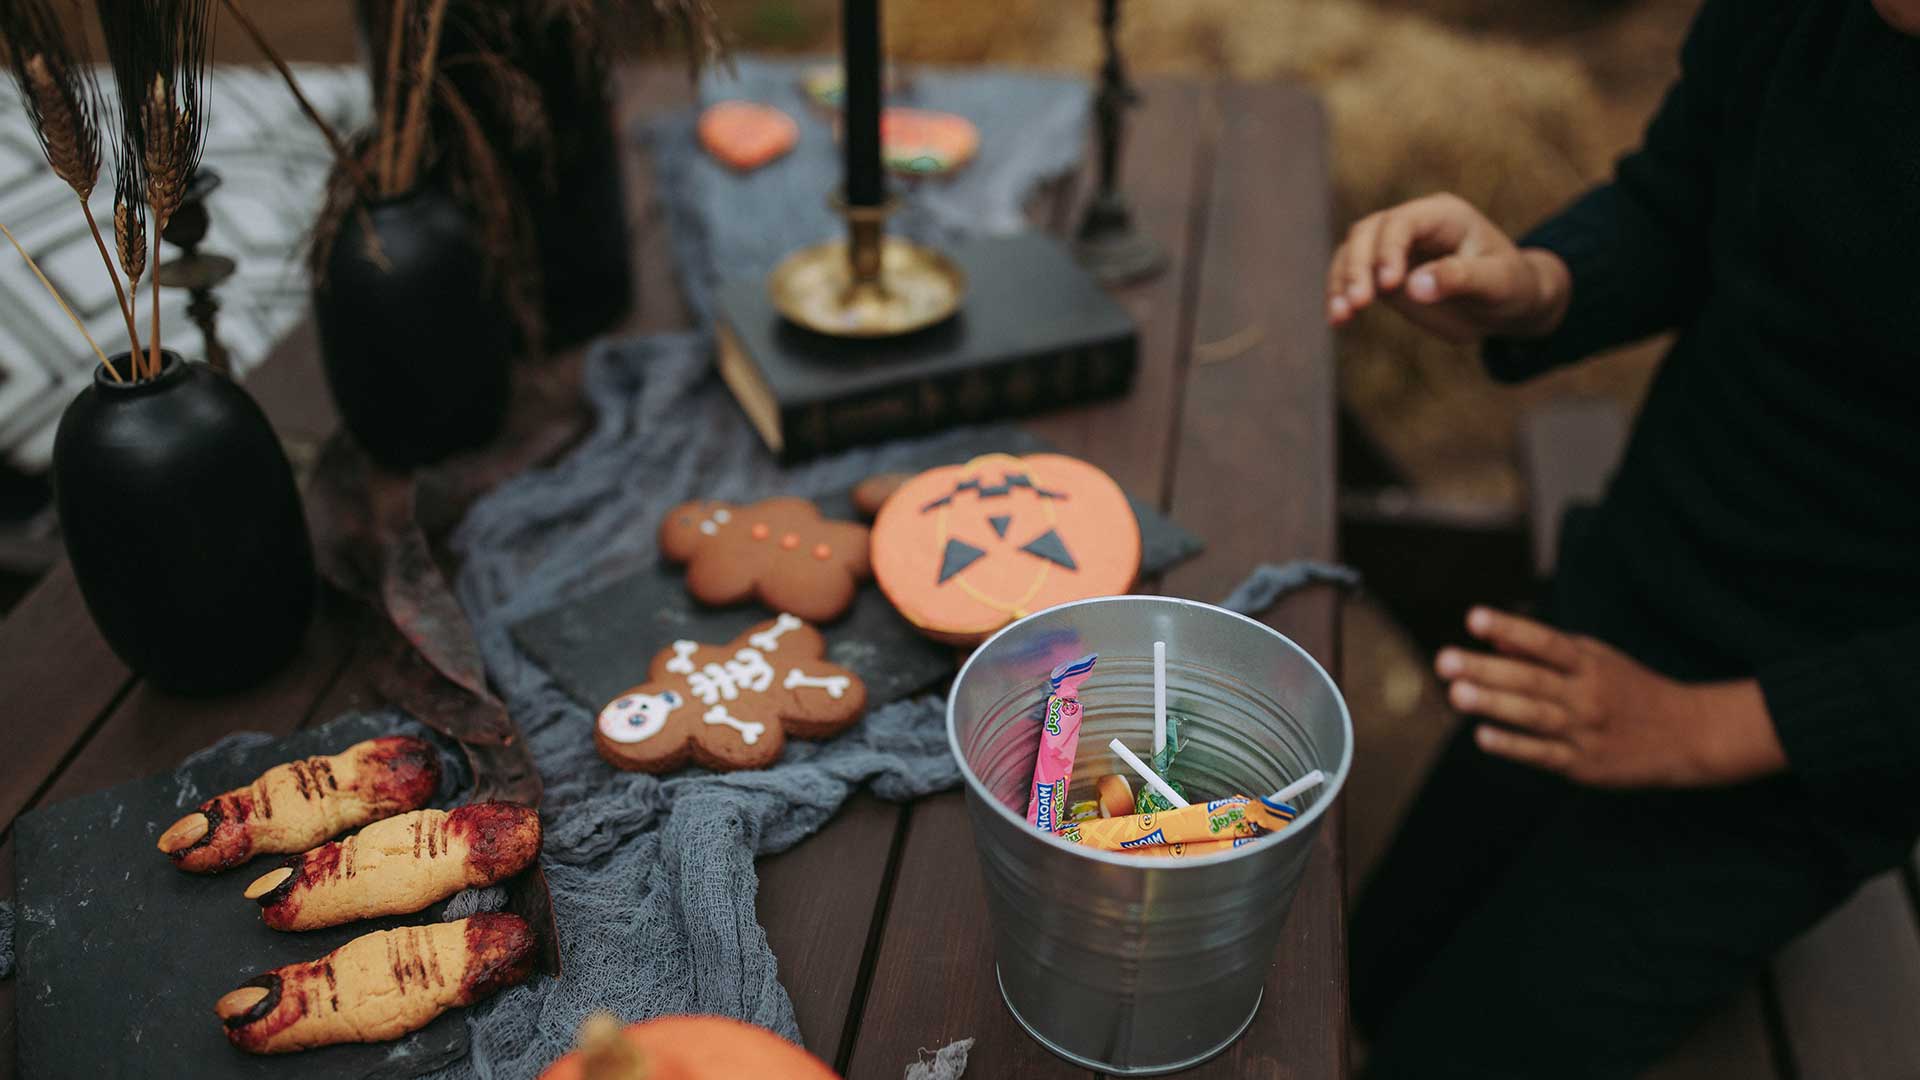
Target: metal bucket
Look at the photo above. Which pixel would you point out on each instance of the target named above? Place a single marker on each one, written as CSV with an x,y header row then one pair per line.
x,y
1120,963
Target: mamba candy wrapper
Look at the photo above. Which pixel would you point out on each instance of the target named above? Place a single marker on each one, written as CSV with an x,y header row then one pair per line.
x,y
1233,817
1059,742
1188,851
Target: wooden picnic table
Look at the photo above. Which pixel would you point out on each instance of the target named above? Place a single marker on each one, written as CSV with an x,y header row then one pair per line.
x,y
879,921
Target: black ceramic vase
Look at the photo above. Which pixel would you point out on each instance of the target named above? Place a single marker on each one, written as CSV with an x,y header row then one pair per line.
x,y
415,335
570,183
580,219
184,527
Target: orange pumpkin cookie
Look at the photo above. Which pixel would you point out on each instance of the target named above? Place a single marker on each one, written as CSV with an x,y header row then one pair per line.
x,y
745,136
684,1048
963,550
730,706
778,551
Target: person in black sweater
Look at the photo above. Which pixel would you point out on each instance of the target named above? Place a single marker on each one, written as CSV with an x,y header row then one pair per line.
x,y
1714,737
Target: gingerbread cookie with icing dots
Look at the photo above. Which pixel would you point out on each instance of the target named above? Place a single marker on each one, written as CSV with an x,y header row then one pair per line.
x,y
778,551
730,706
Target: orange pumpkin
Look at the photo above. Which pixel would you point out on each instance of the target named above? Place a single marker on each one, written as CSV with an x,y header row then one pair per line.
x,y
963,550
684,1048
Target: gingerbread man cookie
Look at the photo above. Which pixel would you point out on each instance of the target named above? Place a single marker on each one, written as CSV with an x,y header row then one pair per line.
x,y
778,551
731,706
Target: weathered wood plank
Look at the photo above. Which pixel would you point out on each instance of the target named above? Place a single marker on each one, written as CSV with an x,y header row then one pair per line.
x,y
1255,462
1848,987
933,980
58,681
1255,452
1732,1042
818,903
1165,163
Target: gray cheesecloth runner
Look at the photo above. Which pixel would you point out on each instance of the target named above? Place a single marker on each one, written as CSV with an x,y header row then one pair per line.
x,y
653,878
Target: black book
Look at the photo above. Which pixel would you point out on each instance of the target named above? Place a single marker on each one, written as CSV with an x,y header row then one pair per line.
x,y
1035,332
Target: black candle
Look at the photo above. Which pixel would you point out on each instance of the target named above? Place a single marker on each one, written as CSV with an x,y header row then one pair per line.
x,y
860,120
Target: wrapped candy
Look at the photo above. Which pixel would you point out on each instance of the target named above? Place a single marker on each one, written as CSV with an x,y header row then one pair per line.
x,y
1230,818
1188,851
1059,742
1151,800
1116,796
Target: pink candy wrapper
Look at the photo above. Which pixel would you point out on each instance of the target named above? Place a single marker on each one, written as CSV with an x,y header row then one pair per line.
x,y
1059,742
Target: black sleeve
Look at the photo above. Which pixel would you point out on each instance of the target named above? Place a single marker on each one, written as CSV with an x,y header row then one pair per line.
x,y
1638,247
1847,715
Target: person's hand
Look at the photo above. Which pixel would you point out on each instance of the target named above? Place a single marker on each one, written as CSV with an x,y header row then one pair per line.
x,y
1443,265
1581,708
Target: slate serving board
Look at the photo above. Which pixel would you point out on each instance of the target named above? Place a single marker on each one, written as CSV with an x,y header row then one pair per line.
x,y
599,645
121,956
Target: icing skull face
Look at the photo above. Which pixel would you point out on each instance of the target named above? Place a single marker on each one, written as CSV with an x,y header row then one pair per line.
x,y
636,716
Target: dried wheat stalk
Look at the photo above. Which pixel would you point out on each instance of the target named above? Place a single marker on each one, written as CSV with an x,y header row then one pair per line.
x,y
506,234
413,131
158,49
390,91
62,301
63,102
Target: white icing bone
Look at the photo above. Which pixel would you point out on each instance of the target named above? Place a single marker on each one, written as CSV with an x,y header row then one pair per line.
x,y
682,662
834,685
747,671
748,729
769,639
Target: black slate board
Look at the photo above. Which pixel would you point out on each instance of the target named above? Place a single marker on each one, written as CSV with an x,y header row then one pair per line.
x,y
121,956
599,645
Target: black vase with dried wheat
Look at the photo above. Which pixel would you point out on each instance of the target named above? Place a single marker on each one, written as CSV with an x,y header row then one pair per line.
x,y
543,99
414,267
177,505
415,338
184,527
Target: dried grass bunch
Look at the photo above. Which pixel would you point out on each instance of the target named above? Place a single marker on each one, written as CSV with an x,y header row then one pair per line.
x,y
424,127
429,104
64,104
158,50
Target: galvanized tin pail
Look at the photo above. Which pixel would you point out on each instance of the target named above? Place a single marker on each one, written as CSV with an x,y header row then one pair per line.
x,y
1121,963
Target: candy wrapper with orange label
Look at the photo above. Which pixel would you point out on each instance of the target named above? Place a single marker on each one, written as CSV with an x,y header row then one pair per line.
x,y
1231,818
1059,743
1197,848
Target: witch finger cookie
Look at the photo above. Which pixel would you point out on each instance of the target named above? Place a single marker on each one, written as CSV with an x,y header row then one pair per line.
x,y
730,706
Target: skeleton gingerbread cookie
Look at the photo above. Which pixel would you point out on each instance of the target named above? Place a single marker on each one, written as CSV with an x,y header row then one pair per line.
x,y
730,706
779,551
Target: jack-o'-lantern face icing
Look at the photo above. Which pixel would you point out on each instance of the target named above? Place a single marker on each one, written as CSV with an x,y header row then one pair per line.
x,y
963,550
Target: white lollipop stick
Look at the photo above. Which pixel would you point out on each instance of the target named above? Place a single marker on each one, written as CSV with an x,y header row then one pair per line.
x,y
1312,780
1152,778
1159,697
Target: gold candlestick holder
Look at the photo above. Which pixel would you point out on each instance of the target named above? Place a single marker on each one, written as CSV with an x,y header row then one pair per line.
x,y
869,284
